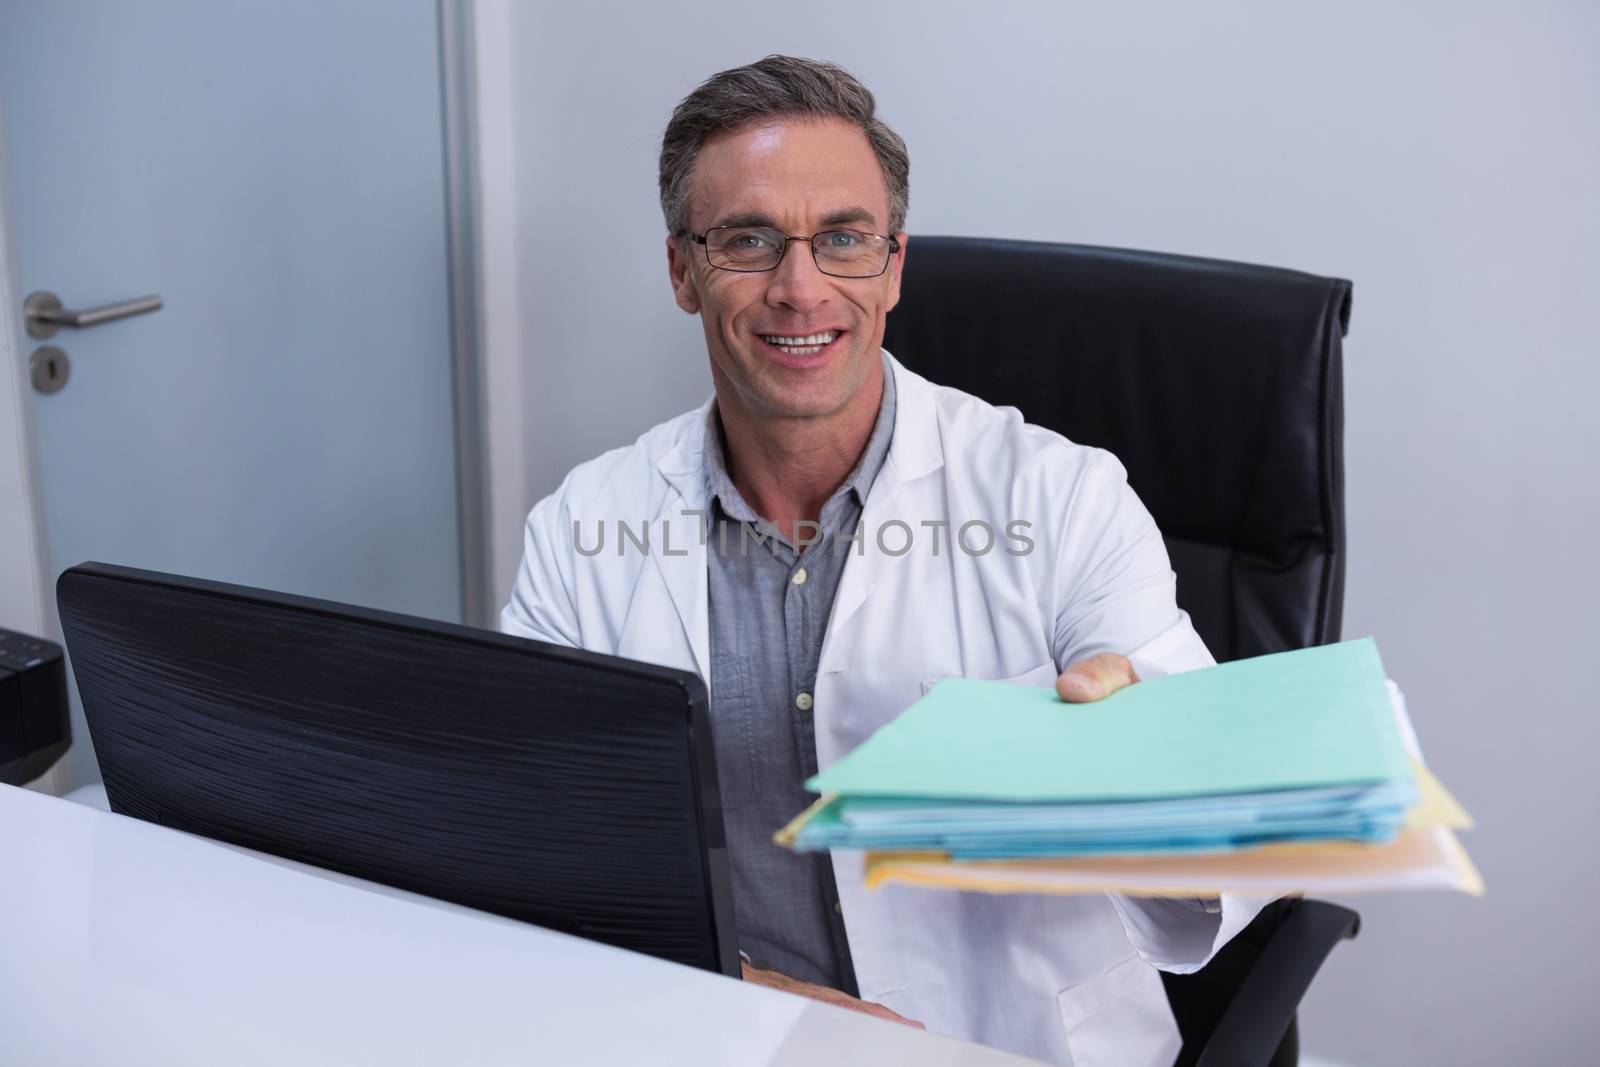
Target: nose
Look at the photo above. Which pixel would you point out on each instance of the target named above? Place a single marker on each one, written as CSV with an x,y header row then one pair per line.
x,y
796,282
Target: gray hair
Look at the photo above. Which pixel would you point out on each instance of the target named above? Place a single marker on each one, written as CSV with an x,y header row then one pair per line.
x,y
774,87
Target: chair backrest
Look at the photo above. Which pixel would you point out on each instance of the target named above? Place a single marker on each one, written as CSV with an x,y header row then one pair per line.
x,y
1218,385
1220,388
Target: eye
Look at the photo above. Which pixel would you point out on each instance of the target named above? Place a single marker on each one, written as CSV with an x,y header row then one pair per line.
x,y
750,240
842,239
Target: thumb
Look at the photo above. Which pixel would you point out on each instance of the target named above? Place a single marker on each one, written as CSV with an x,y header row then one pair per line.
x,y
1096,677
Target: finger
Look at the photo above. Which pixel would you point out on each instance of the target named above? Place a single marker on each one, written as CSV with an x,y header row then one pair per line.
x,y
865,1007
776,980
884,1013
1095,678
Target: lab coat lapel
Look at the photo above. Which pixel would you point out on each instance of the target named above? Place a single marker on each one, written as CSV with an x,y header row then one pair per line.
x,y
914,451
679,556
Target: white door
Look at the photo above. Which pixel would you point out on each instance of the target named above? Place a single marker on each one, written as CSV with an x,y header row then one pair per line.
x,y
274,171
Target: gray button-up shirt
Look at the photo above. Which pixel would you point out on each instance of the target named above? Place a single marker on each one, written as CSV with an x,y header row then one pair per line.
x,y
769,606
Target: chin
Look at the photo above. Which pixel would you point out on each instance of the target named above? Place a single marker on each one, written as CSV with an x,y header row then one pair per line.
x,y
803,399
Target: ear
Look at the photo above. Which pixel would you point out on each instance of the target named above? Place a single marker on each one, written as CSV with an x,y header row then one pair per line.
x,y
897,263
680,269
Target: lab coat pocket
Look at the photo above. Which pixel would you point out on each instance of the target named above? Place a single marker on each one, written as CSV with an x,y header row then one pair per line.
x,y
1121,1018
1043,674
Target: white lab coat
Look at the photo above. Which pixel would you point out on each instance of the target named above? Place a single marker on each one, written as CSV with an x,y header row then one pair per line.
x,y
1064,979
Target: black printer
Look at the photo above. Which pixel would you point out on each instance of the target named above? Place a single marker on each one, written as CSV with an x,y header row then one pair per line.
x,y
34,728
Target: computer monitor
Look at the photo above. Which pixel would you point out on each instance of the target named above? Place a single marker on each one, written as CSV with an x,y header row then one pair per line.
x,y
560,787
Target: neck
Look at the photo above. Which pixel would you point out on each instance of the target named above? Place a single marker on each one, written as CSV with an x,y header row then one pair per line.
x,y
787,468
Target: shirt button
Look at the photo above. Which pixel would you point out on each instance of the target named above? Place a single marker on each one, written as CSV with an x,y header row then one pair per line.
x,y
799,577
838,908
803,701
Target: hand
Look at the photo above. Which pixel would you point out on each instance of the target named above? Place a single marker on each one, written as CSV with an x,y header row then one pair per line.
x,y
1094,678
774,980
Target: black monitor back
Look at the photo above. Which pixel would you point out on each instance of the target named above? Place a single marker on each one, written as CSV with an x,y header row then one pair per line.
x,y
555,786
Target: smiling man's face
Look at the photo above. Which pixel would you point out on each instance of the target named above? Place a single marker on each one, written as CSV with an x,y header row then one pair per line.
x,y
800,176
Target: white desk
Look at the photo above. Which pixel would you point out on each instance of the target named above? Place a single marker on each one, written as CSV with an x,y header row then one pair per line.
x,y
126,943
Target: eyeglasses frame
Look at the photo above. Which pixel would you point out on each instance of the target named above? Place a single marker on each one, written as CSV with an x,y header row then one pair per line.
x,y
703,240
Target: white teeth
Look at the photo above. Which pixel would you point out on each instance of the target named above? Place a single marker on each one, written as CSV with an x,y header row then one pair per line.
x,y
813,339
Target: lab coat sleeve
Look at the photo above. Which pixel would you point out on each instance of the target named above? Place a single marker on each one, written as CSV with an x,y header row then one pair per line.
x,y
542,602
1120,595
1114,586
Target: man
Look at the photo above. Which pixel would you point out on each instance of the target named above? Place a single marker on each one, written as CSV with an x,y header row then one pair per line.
x,y
831,534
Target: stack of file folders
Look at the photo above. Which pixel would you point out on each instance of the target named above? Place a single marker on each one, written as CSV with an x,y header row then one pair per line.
x,y
1293,772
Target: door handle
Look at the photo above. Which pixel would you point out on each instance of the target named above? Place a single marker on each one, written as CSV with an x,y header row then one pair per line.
x,y
45,315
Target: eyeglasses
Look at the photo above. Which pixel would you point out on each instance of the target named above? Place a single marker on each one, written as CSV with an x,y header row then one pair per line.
x,y
753,249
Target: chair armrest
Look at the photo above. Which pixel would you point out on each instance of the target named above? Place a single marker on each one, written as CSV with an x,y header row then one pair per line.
x,y
1259,1015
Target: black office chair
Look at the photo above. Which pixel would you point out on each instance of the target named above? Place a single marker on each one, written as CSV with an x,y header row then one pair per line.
x,y
1219,386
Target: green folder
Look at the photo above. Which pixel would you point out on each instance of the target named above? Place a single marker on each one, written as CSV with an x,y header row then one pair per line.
x,y
1314,717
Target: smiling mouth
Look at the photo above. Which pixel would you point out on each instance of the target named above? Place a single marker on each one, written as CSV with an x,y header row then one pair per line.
x,y
802,345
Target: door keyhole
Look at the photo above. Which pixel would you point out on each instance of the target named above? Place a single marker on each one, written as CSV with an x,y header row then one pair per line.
x,y
49,368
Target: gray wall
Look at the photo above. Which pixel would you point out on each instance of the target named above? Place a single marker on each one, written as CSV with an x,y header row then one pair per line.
x,y
1446,160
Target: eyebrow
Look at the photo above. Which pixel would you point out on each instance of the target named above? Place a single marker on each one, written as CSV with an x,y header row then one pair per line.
x,y
849,215
841,217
